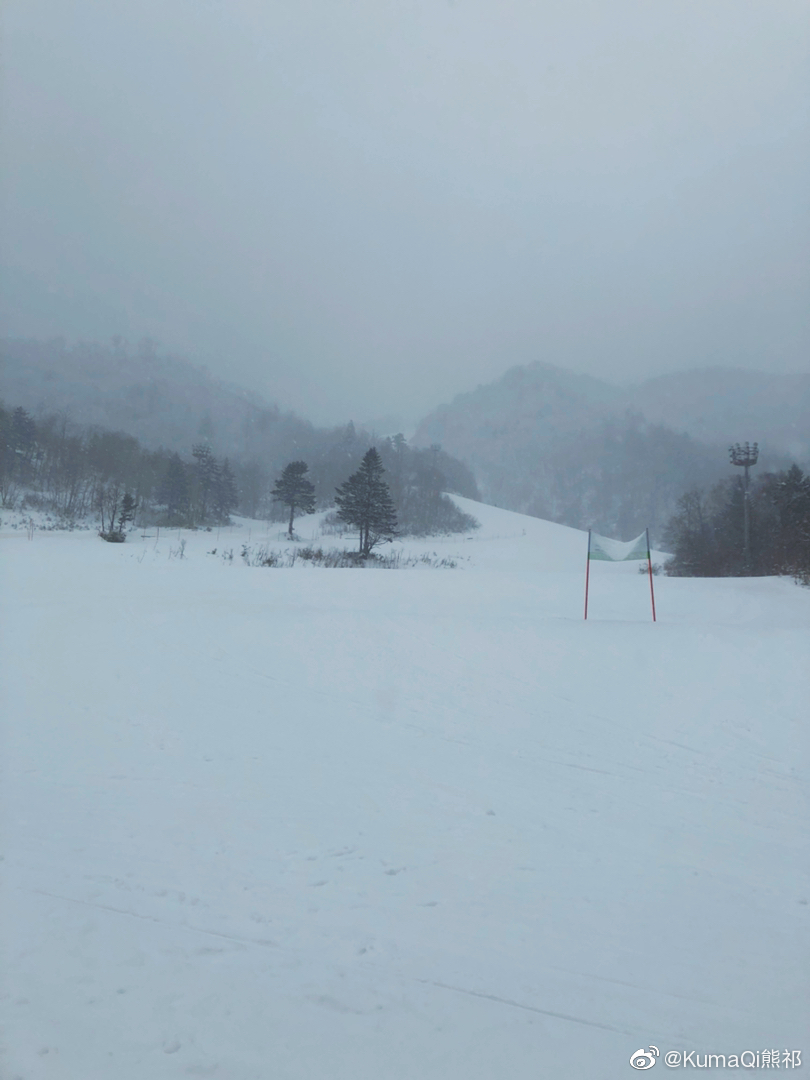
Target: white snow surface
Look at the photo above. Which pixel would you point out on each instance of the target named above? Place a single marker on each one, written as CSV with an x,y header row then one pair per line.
x,y
414,824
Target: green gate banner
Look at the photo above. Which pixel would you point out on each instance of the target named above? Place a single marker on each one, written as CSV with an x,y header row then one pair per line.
x,y
602,547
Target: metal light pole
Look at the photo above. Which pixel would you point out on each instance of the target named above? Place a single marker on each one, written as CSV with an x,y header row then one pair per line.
x,y
745,455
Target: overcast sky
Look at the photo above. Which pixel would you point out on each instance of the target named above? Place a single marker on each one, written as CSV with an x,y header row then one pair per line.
x,y
364,207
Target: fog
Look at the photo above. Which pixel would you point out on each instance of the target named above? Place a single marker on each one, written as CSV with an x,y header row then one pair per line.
x,y
363,208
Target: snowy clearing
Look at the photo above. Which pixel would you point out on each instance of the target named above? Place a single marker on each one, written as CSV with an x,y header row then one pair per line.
x,y
418,824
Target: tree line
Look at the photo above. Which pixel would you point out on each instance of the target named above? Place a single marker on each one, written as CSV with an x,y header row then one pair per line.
x,y
706,534
53,464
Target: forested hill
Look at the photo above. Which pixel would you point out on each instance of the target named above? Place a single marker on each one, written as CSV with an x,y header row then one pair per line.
x,y
576,450
161,400
539,402
84,421
722,406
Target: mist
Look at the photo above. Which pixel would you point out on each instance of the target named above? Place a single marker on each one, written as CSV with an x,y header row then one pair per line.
x,y
366,208
404,537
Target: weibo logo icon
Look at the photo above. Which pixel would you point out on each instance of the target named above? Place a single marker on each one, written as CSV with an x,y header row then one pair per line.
x,y
644,1059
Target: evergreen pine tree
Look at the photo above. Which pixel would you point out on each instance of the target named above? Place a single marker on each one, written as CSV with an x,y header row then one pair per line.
x,y
365,501
225,494
126,513
207,470
23,431
293,489
790,494
175,491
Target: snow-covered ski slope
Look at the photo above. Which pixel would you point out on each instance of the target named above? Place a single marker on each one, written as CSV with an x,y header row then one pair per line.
x,y
415,824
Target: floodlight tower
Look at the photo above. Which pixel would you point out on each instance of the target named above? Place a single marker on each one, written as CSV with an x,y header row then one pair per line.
x,y
745,455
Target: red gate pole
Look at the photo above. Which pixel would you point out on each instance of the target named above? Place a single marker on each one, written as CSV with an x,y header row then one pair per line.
x,y
587,572
649,564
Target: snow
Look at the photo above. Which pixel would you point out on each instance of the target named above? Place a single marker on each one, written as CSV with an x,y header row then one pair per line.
x,y
344,824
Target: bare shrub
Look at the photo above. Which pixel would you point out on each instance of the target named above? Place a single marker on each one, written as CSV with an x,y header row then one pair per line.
x,y
340,559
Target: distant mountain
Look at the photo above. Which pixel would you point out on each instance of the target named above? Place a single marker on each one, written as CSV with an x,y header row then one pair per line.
x,y
724,405
579,451
162,401
539,402
527,408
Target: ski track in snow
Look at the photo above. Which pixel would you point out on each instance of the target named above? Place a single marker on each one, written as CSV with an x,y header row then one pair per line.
x,y
308,823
